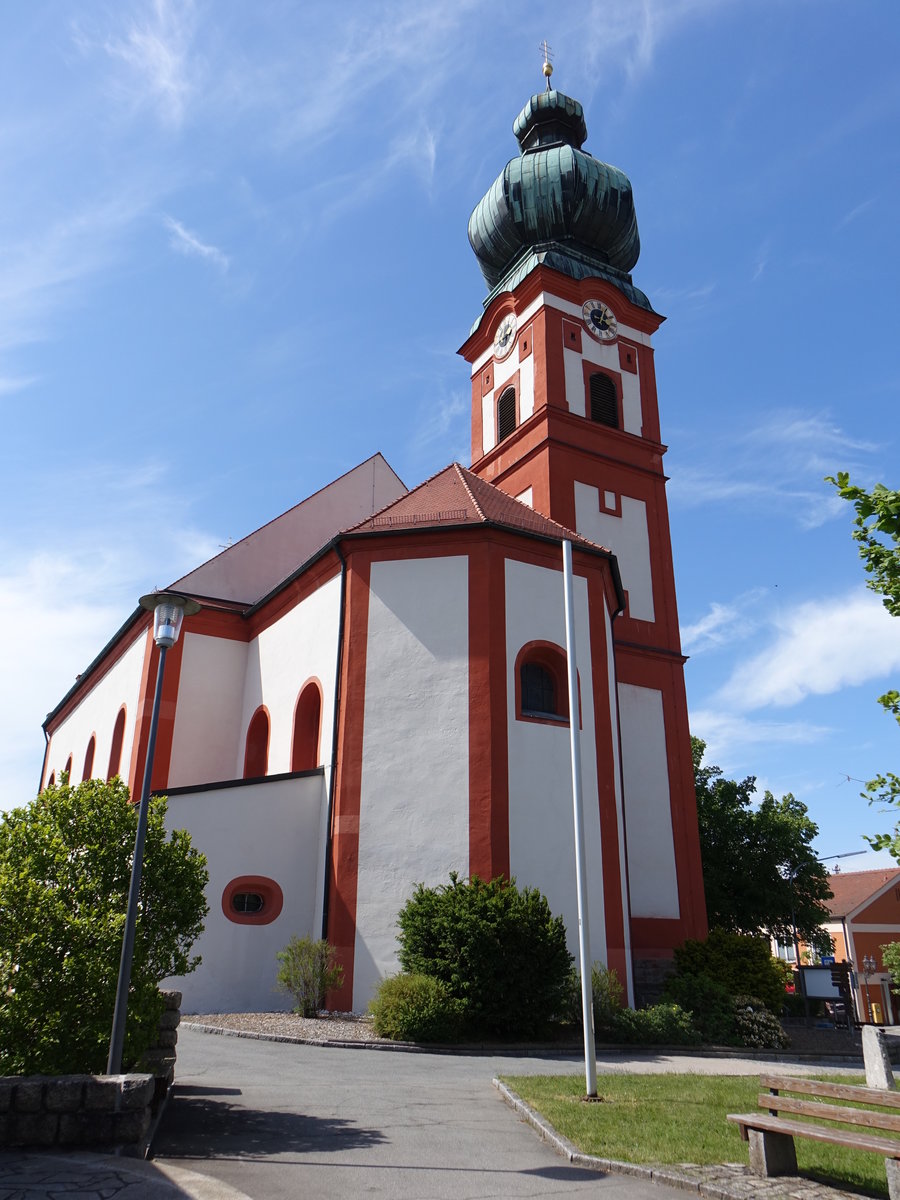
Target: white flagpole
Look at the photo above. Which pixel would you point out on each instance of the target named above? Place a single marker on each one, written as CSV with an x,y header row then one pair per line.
x,y
584,937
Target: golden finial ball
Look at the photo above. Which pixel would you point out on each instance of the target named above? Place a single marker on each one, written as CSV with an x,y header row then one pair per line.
x,y
547,69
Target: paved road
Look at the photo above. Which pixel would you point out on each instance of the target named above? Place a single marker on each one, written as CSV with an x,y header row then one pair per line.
x,y
278,1120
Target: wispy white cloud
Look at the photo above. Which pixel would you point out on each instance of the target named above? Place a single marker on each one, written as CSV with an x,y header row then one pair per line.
x,y
723,624
762,259
818,648
854,214
186,242
66,599
728,734
9,386
692,294
625,34
778,464
154,51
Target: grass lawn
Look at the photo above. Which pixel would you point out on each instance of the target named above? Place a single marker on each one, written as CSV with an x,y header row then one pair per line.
x,y
681,1119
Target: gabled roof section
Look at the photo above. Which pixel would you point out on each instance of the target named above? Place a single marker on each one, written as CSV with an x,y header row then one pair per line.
x,y
255,565
456,496
852,889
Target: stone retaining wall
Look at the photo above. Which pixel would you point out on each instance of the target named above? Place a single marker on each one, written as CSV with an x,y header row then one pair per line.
x,y
75,1110
101,1111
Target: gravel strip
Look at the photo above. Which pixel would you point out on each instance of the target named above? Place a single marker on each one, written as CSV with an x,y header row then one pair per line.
x,y
329,1027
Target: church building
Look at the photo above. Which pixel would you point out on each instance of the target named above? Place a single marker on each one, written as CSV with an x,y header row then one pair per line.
x,y
374,692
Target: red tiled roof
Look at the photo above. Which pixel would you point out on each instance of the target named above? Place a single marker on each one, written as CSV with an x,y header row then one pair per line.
x,y
852,888
455,496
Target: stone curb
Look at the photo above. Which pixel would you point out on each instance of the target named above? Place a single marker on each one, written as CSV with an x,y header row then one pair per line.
x,y
529,1048
730,1181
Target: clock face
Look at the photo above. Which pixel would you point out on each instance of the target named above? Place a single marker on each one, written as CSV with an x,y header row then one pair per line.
x,y
505,336
599,321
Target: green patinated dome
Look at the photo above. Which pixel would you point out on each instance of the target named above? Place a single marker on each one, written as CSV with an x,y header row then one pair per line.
x,y
556,204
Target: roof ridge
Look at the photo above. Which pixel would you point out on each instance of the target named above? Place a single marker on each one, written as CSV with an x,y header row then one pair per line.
x,y
463,474
405,496
566,534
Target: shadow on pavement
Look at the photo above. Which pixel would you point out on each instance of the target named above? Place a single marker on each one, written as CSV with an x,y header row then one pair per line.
x,y
195,1127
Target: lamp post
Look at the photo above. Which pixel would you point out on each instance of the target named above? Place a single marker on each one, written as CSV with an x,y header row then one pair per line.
x,y
169,610
869,966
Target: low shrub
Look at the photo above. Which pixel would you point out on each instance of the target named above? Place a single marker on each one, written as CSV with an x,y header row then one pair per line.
x,y
659,1025
743,965
498,949
607,993
308,972
710,1005
417,1008
756,1026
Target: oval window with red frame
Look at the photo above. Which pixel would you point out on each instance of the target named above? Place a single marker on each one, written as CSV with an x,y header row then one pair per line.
x,y
252,900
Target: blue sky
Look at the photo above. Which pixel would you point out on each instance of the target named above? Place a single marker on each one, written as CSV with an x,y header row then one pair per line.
x,y
233,264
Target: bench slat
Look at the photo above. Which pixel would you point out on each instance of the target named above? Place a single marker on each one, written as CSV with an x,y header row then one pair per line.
x,y
887,1147
834,1091
831,1112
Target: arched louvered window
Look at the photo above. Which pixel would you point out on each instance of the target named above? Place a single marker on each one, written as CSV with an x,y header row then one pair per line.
x,y
115,749
506,413
542,690
89,759
256,754
307,729
538,690
604,400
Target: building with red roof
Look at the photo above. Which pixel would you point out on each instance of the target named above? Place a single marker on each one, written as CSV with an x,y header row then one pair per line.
x,y
374,693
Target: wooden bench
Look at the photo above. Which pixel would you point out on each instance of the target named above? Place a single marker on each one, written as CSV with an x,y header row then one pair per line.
x,y
771,1136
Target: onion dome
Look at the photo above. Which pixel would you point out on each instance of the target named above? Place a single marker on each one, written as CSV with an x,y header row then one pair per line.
x,y
556,204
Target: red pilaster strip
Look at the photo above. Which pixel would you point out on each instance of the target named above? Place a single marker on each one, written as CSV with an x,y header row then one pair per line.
x,y
349,750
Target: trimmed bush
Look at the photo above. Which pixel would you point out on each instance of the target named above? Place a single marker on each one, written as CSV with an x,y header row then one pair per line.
x,y
756,1026
497,948
743,965
308,972
659,1025
710,1005
416,1008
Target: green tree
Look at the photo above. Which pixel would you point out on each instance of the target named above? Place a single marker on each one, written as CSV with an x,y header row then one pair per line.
x,y
497,947
760,873
876,530
65,864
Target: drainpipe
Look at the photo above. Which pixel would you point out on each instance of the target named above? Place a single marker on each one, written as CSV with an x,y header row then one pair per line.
x,y
46,753
329,830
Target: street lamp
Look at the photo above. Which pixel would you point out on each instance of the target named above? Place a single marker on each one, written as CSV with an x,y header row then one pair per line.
x,y
869,966
169,610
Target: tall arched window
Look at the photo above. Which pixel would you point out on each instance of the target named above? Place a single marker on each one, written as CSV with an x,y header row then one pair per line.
x,y
89,759
307,728
68,768
115,750
604,400
506,413
51,782
256,753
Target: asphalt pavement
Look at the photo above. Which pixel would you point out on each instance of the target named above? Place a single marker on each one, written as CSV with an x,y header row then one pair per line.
x,y
267,1120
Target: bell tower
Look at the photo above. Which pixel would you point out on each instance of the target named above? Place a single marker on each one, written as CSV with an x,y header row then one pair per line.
x,y
565,418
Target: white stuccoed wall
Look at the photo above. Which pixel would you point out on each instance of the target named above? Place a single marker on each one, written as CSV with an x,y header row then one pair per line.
x,y
300,646
96,713
208,711
272,829
541,824
629,540
651,854
414,796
